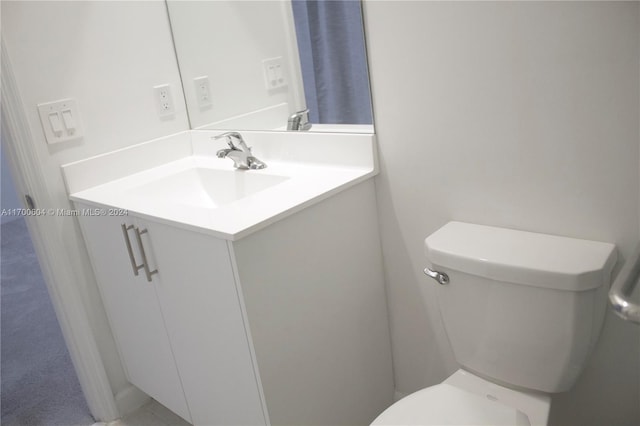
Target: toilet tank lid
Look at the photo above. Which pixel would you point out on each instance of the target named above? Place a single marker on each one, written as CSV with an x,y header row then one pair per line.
x,y
521,257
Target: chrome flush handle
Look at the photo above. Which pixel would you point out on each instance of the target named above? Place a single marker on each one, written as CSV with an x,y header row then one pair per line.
x,y
441,277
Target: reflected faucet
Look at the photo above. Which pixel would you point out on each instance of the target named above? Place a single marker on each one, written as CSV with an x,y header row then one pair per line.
x,y
299,121
239,152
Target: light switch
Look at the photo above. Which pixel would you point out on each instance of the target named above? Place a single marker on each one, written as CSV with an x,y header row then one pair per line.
x,y
69,122
56,126
60,120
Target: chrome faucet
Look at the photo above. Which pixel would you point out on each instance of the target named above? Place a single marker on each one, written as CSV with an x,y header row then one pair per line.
x,y
299,121
239,152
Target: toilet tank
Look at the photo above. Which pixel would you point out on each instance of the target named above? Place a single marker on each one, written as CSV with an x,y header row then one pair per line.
x,y
521,308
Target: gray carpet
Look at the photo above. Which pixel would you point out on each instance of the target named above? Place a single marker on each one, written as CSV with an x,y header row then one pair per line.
x,y
39,384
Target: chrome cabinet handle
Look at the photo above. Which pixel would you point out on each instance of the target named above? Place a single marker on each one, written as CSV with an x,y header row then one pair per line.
x,y
145,262
441,277
132,259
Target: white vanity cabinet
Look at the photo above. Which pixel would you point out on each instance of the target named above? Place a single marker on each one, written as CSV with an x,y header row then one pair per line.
x,y
181,336
269,304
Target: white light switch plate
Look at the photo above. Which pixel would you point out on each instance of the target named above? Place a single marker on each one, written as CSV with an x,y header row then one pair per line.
x,y
60,120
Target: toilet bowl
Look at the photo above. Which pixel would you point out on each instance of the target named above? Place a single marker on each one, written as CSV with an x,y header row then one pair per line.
x,y
522,312
466,399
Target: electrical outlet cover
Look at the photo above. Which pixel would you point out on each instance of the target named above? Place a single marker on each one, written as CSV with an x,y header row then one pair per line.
x,y
164,100
203,92
274,73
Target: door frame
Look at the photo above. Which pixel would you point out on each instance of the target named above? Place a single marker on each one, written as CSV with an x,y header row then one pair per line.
x,y
62,283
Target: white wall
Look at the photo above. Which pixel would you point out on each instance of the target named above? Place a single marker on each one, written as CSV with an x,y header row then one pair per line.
x,y
10,199
227,41
514,114
107,55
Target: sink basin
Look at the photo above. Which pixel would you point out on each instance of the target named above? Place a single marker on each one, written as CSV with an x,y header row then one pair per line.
x,y
205,188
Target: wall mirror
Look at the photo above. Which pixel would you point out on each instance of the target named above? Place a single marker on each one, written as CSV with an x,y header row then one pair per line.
x,y
251,65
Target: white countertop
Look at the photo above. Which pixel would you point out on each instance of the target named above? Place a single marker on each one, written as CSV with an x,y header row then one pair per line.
x,y
301,165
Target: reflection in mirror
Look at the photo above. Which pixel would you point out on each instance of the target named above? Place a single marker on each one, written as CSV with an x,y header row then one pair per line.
x,y
332,57
251,65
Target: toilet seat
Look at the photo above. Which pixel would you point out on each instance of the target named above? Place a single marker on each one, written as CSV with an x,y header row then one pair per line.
x,y
445,404
467,399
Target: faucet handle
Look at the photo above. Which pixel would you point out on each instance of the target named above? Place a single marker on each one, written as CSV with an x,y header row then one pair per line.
x,y
299,121
230,136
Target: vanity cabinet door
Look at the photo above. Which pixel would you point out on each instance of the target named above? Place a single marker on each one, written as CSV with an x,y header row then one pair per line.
x,y
203,315
133,309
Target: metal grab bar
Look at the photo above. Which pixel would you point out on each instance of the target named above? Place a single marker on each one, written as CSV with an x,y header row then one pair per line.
x,y
623,286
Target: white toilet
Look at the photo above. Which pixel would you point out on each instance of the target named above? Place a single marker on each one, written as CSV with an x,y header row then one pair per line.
x,y
522,312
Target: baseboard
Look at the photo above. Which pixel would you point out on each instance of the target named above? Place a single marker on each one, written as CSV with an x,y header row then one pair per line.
x,y
130,399
112,423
